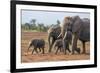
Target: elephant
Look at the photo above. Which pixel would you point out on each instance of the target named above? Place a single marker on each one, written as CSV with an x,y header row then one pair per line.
x,y
80,30
53,33
67,41
58,45
37,43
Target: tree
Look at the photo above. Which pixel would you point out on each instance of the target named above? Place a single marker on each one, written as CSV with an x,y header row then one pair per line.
x,y
40,26
58,22
26,26
33,24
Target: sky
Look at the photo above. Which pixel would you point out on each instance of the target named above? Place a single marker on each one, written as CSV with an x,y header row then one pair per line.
x,y
48,17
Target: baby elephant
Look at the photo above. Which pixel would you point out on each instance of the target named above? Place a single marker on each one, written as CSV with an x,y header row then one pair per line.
x,y
59,45
37,43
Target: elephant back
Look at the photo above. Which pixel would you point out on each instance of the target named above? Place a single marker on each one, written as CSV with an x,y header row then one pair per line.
x,y
85,31
76,24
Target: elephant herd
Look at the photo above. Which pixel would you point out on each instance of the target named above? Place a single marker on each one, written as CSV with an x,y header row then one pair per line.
x,y
67,34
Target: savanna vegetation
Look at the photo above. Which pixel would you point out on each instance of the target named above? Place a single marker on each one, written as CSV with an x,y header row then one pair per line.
x,y
34,25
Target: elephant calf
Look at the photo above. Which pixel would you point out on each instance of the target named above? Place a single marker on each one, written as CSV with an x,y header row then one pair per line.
x,y
63,44
37,43
59,45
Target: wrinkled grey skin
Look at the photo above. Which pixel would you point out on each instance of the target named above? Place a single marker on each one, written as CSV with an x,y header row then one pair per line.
x,y
66,41
53,34
80,30
37,43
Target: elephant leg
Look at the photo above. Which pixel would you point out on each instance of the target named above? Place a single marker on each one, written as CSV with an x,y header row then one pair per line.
x,y
68,48
57,50
43,50
49,41
65,51
66,43
84,50
61,50
74,43
39,49
64,46
33,50
36,50
53,40
28,48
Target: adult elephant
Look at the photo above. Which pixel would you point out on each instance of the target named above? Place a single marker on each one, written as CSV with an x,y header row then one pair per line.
x,y
80,30
53,33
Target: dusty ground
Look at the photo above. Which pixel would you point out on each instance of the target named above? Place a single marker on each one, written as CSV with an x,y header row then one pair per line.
x,y
28,57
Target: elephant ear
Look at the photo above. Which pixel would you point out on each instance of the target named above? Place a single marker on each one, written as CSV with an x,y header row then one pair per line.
x,y
76,25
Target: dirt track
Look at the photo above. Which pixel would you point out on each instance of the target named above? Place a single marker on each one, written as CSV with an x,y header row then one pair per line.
x,y
28,57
